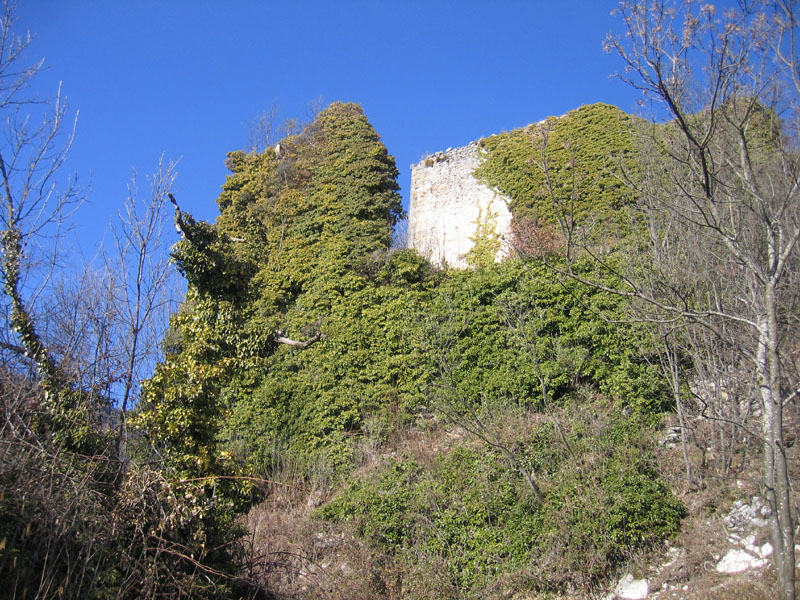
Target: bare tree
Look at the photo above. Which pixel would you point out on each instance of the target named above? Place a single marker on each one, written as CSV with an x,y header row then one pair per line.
x,y
262,131
73,341
35,204
720,203
143,285
96,328
265,130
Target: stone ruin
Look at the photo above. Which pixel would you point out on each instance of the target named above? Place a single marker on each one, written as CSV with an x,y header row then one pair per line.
x,y
447,205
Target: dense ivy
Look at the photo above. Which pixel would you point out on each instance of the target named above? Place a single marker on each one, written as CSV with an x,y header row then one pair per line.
x,y
297,225
302,247
572,167
503,332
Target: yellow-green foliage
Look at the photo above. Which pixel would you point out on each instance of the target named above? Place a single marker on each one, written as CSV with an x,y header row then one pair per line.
x,y
582,153
286,254
302,247
486,241
500,330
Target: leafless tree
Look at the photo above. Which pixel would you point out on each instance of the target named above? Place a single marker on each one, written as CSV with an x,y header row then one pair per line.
x,y
266,129
720,205
36,206
72,341
143,285
262,131
400,237
94,326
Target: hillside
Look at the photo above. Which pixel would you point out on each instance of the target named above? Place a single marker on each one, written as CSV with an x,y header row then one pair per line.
x,y
457,433
376,426
610,411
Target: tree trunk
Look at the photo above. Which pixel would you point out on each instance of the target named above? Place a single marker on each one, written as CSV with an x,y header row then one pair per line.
x,y
776,484
776,473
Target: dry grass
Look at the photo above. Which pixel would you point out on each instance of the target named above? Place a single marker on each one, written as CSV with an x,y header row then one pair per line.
x,y
297,556
301,557
694,554
757,585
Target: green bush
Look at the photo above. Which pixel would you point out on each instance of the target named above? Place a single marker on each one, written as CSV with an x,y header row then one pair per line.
x,y
383,508
515,331
602,500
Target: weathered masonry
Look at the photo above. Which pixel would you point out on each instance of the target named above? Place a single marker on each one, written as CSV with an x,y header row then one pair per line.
x,y
448,204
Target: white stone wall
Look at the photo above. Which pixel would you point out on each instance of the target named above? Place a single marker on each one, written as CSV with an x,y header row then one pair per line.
x,y
446,202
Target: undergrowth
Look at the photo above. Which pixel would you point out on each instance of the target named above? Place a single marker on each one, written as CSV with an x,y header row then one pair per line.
x,y
476,524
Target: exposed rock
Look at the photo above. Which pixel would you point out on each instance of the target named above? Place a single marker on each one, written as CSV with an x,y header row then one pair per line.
x,y
743,517
741,522
741,550
672,437
744,559
629,588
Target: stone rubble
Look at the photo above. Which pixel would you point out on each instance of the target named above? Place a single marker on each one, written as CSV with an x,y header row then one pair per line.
x,y
743,523
629,588
750,556
742,519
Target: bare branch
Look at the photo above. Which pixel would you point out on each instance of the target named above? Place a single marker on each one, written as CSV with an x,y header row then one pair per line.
x,y
719,195
279,337
180,224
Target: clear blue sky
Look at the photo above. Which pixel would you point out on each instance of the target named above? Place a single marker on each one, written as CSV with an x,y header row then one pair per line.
x,y
186,77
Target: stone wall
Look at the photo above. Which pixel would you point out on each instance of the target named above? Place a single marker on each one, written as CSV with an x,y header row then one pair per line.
x,y
447,203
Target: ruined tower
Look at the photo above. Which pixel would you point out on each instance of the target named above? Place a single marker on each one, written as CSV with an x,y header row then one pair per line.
x,y
450,208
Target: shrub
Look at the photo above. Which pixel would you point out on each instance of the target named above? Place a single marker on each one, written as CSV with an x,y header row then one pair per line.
x,y
471,513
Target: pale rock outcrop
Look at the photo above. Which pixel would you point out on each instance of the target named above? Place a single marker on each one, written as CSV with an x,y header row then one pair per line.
x,y
631,588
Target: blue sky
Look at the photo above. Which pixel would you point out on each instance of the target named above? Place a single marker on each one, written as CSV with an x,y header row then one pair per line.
x,y
187,77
